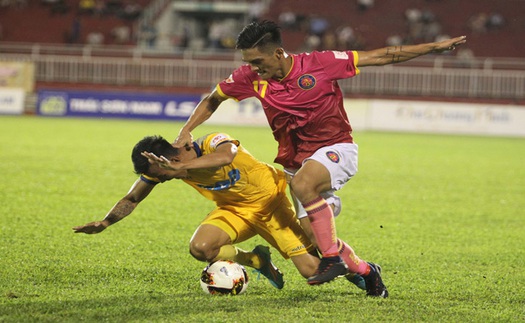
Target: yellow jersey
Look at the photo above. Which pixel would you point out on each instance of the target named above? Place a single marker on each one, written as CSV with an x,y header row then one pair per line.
x,y
245,183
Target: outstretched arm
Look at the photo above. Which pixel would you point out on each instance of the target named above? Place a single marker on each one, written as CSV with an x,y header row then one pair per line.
x,y
223,155
399,54
202,112
122,208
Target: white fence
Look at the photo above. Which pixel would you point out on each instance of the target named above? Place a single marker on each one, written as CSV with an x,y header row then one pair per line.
x,y
443,82
426,77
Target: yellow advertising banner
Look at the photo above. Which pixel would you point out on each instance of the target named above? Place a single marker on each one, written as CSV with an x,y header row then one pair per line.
x,y
18,75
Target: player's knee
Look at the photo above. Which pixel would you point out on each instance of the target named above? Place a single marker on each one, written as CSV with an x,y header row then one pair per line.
x,y
301,188
201,251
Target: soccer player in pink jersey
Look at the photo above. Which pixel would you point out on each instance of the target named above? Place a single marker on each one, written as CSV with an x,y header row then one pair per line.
x,y
304,107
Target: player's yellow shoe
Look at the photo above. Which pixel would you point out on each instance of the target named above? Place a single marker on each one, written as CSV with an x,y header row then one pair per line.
x,y
268,269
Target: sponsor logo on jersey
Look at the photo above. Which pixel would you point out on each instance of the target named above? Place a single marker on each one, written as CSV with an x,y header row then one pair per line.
x,y
217,139
340,55
306,82
229,79
333,156
233,177
298,248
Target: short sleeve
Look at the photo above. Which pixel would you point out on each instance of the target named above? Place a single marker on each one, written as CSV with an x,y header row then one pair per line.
x,y
211,141
239,85
339,64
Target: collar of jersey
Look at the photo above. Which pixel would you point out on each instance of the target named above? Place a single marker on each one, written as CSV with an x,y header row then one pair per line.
x,y
291,68
197,149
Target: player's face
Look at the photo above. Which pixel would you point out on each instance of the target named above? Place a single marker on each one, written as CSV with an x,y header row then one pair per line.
x,y
266,64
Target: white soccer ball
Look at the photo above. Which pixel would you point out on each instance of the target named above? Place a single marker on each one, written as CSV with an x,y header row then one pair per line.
x,y
224,277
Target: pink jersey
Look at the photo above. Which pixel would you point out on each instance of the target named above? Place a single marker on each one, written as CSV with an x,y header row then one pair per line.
x,y
305,109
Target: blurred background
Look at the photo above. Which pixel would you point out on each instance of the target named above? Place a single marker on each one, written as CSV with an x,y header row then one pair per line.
x,y
181,47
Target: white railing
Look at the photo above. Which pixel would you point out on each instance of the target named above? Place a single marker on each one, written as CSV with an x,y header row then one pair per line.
x,y
430,76
444,82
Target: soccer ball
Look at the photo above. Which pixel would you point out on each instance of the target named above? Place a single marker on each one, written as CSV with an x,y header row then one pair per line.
x,y
224,277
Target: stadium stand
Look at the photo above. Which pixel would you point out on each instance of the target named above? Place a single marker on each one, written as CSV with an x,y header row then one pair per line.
x,y
38,21
45,34
376,24
65,21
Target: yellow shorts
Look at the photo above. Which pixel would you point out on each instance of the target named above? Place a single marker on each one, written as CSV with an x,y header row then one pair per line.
x,y
279,227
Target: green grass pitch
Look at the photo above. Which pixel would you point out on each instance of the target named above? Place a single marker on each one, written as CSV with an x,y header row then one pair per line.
x,y
443,215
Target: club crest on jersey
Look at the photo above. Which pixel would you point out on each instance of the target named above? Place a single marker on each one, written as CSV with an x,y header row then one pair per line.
x,y
306,82
333,156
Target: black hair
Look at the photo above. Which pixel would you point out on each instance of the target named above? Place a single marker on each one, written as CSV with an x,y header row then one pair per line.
x,y
153,144
259,34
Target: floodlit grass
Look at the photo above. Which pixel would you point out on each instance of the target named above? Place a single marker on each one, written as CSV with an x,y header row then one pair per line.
x,y
443,215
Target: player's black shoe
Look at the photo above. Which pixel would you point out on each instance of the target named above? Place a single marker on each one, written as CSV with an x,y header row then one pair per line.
x,y
374,283
329,269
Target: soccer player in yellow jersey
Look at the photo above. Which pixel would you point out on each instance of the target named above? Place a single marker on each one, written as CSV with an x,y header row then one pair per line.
x,y
250,198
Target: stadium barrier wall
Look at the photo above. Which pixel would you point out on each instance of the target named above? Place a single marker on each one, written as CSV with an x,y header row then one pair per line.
x,y
364,114
11,100
445,117
16,74
116,105
403,116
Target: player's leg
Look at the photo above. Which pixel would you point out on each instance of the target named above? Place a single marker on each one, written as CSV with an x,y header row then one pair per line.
x,y
355,264
364,275
302,215
335,204
308,183
284,233
340,161
345,251
214,239
306,264
210,243
206,243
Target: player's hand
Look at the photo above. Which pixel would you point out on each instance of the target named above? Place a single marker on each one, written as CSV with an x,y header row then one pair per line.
x,y
184,139
450,44
162,161
91,228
